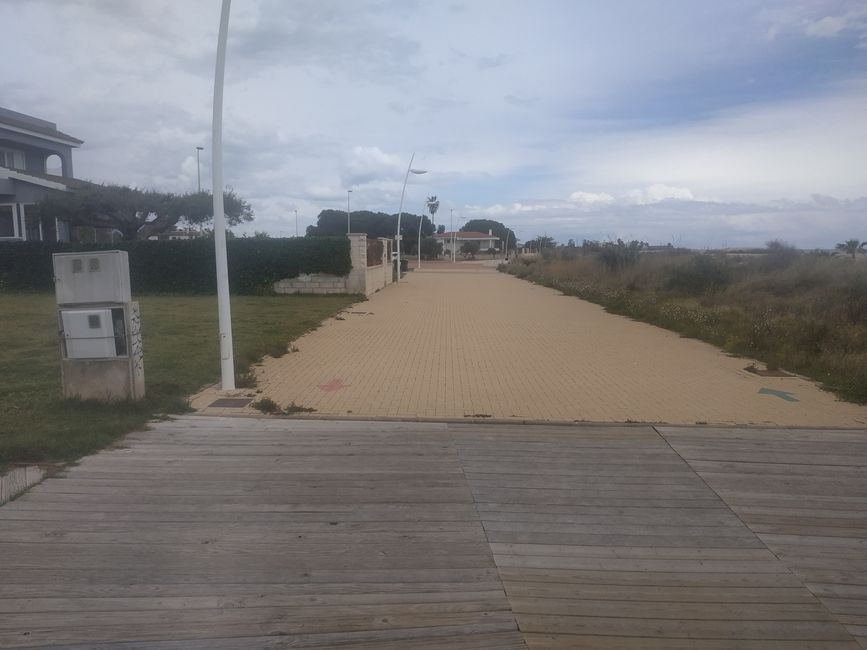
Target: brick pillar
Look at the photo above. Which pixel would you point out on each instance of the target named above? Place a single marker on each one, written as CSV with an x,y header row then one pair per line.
x,y
356,281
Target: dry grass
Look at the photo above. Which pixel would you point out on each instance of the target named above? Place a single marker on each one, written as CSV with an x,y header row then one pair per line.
x,y
803,312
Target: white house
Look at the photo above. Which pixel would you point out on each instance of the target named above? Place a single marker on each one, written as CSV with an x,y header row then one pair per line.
x,y
29,147
459,238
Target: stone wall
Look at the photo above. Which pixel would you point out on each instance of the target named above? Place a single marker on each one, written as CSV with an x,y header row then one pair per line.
x,y
313,283
356,281
361,279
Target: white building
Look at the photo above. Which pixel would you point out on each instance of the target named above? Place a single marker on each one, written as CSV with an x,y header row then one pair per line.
x,y
460,238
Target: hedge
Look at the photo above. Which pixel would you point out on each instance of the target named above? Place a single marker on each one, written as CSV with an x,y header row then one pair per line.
x,y
184,266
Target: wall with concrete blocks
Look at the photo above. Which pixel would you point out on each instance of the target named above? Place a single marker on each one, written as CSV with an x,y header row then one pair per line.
x,y
312,283
380,275
356,281
361,279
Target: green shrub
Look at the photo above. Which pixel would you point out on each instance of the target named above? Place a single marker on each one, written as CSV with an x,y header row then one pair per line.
x,y
185,266
701,274
779,255
616,256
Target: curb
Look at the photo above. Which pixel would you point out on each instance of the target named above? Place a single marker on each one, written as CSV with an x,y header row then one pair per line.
x,y
17,481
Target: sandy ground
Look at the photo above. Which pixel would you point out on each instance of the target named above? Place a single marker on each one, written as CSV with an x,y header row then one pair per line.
x,y
467,342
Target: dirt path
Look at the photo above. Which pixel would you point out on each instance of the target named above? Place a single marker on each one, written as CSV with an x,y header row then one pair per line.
x,y
470,343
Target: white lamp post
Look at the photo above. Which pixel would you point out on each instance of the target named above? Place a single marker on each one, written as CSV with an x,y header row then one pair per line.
x,y
452,229
198,169
348,192
420,222
506,252
227,361
409,170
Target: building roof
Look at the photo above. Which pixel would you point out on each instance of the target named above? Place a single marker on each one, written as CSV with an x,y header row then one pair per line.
x,y
43,180
20,122
465,235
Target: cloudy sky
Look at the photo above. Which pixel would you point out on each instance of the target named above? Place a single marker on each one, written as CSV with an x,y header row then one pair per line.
x,y
696,122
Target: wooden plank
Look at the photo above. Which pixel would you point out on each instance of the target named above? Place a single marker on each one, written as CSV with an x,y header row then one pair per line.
x,y
422,639
204,532
241,623
590,542
616,642
805,494
319,536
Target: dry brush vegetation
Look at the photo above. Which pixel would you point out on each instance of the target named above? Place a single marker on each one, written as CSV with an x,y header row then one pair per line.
x,y
799,311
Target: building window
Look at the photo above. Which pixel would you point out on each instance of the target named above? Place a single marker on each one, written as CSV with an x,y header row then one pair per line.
x,y
30,222
12,158
7,221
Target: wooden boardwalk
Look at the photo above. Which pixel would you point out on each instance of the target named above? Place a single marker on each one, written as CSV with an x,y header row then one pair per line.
x,y
266,533
804,494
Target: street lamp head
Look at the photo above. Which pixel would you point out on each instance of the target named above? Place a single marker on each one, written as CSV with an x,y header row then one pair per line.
x,y
418,171
200,148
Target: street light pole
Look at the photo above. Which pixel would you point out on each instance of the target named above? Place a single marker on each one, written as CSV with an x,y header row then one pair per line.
x,y
409,170
296,223
199,169
452,228
418,250
227,362
348,230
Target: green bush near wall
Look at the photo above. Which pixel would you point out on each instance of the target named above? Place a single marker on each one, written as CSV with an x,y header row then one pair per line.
x,y
184,266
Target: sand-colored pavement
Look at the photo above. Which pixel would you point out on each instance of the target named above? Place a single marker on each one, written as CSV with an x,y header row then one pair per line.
x,y
467,342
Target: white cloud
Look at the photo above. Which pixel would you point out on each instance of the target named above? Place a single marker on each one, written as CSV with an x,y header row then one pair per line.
x,y
367,164
656,193
828,26
758,152
819,222
817,20
590,198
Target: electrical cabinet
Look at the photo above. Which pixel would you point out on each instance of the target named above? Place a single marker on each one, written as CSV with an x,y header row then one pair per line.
x,y
90,333
99,326
94,277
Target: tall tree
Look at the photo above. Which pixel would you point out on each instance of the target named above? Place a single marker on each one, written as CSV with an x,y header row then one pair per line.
x,y
432,206
138,214
332,223
431,248
540,242
852,247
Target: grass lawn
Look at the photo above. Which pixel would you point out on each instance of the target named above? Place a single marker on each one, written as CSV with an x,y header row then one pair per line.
x,y
181,355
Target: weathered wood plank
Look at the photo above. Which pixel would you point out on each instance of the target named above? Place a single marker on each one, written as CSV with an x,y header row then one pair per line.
x,y
313,537
597,549
805,495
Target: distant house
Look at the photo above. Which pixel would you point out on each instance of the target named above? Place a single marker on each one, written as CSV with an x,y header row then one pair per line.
x,y
31,151
461,237
177,233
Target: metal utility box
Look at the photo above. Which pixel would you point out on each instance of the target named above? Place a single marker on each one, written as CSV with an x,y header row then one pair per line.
x,y
88,278
100,327
89,333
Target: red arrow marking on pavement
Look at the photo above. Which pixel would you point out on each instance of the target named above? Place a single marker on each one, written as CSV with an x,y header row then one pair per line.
x,y
333,385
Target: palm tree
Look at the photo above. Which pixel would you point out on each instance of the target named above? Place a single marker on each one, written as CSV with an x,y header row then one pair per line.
x,y
432,205
851,247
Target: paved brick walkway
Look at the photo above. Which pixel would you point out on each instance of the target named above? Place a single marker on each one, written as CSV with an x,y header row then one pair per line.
x,y
467,342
